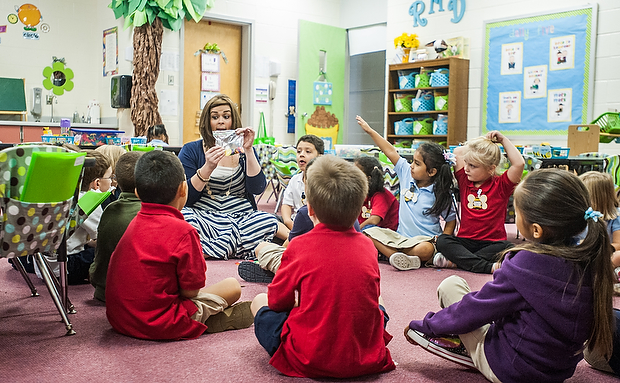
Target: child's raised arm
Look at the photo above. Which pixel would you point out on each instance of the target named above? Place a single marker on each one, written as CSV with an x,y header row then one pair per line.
x,y
517,164
387,148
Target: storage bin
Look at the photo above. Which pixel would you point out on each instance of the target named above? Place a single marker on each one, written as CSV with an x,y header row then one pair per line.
x,y
424,126
57,139
440,126
138,140
559,152
424,102
402,102
406,80
441,100
542,151
608,122
404,127
440,77
422,80
94,137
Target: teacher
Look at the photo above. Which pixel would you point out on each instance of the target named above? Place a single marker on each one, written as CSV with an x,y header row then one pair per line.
x,y
220,202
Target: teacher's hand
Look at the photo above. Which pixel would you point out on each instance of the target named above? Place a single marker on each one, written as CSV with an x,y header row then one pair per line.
x,y
213,156
248,138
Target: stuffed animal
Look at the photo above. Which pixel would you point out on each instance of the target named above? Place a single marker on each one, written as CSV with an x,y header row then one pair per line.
x,y
439,45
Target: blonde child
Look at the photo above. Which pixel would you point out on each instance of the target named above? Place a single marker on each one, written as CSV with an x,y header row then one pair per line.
x,y
603,197
425,198
308,147
113,152
484,199
548,299
323,315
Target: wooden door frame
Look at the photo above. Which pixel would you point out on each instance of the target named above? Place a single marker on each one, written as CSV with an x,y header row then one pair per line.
x,y
247,80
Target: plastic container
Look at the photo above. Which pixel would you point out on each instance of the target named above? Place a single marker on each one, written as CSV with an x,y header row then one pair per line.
x,y
440,77
57,139
441,100
406,80
404,127
422,80
425,102
423,127
402,102
559,152
440,126
94,137
138,140
608,122
542,151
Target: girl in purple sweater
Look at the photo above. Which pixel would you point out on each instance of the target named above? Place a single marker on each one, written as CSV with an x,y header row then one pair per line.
x,y
549,300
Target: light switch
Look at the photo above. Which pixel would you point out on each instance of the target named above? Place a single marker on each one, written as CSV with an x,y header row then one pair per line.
x,y
170,80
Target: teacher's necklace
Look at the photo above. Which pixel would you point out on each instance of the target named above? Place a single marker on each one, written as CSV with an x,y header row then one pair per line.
x,y
209,192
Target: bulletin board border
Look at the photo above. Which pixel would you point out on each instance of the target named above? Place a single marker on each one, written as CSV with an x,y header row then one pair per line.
x,y
591,10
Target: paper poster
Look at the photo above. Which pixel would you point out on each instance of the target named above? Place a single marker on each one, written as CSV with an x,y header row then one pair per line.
x,y
509,107
210,62
322,93
168,102
261,94
535,81
512,59
210,82
559,105
562,53
110,51
206,96
169,61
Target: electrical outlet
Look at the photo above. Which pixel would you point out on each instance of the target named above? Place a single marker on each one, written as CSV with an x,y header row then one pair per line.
x,y
170,80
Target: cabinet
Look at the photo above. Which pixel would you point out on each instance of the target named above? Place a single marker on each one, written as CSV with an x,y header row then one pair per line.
x,y
456,90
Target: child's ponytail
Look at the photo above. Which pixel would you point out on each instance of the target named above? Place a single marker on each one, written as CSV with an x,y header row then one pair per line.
x,y
374,171
436,157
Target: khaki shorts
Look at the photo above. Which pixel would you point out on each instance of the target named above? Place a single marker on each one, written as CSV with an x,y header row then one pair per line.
x,y
392,239
270,256
208,304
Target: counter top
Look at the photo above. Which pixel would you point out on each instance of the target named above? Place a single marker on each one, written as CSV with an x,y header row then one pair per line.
x,y
43,124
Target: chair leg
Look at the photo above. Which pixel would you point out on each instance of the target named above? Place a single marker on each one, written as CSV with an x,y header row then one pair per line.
x,y
51,287
20,267
61,286
279,203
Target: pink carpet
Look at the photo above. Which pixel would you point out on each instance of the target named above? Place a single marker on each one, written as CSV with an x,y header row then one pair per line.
x,y
33,346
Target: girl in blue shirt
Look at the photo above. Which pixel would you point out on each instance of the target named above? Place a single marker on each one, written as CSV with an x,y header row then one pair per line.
x,y
425,197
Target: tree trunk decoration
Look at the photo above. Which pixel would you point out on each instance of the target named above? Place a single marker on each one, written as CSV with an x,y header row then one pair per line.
x,y
147,41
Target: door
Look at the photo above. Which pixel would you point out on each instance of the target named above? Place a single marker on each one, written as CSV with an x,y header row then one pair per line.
x,y
322,57
196,35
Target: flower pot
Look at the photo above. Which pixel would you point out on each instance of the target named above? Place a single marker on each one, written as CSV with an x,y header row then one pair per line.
x,y
406,52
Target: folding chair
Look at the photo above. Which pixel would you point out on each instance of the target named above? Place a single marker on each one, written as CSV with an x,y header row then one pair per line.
x,y
31,228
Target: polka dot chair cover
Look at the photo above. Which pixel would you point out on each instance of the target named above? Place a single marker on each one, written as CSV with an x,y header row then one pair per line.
x,y
28,228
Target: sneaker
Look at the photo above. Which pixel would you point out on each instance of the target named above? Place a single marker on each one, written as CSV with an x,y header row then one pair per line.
x,y
251,271
442,262
404,262
450,348
235,317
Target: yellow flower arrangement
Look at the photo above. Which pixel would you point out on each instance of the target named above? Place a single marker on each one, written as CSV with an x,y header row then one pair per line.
x,y
407,41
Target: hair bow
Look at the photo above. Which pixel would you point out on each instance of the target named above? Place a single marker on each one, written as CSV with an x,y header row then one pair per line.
x,y
450,158
595,215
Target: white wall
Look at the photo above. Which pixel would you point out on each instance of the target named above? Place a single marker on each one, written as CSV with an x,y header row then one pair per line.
x,y
607,75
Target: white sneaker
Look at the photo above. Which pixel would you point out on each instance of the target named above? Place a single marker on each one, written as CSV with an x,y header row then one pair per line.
x,y
442,262
404,262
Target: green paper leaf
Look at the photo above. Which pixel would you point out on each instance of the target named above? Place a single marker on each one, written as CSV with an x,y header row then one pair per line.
x,y
176,24
139,18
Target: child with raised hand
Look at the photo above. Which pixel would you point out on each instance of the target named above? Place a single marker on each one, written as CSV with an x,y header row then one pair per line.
x,y
308,147
484,200
323,315
425,198
380,207
155,286
549,298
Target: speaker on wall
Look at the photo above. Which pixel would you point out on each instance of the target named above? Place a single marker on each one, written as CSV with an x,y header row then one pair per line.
x,y
120,91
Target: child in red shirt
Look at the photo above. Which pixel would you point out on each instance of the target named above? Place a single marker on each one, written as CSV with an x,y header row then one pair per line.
x,y
336,325
157,273
380,207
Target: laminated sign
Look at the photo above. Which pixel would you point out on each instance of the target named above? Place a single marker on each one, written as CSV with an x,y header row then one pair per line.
x,y
322,93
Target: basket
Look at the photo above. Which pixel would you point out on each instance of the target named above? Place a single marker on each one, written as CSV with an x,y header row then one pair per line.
x,y
440,127
57,139
402,102
559,152
441,101
608,122
422,80
424,127
94,137
423,103
406,81
404,127
542,151
440,77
